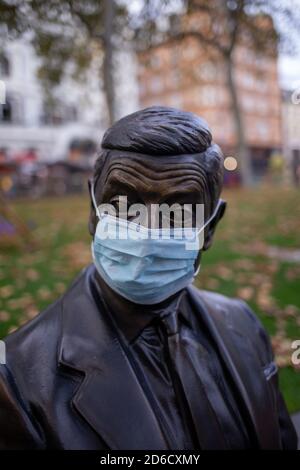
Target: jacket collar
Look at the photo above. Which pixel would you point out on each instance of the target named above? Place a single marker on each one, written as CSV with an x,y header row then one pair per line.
x,y
133,323
110,397
242,362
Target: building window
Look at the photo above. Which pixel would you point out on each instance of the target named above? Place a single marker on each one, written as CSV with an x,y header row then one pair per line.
x,y
12,111
143,89
6,113
191,52
175,78
58,112
71,114
175,100
155,61
156,85
207,71
175,56
208,96
4,66
262,129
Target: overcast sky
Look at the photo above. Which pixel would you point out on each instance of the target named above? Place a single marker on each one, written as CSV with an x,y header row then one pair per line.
x,y
289,71
289,66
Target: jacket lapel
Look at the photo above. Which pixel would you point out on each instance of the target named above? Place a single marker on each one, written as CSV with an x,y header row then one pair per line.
x,y
110,397
246,372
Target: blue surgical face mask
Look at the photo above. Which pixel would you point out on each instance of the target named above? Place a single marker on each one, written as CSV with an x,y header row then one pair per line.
x,y
146,266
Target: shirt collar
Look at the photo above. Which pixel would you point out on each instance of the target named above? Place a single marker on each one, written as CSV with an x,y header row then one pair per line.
x,y
132,325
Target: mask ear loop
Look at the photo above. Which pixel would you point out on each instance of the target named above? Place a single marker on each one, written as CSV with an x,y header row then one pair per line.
x,y
205,225
197,270
211,217
94,200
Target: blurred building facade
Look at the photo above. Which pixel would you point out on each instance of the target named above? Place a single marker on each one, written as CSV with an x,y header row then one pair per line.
x,y
184,75
291,134
51,150
71,129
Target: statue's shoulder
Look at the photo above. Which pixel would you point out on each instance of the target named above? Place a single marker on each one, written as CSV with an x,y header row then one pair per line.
x,y
233,313
39,336
218,302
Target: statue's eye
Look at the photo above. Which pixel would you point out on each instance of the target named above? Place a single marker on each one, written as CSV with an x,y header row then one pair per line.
x,y
180,216
121,205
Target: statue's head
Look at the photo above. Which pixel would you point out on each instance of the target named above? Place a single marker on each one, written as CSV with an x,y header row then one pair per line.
x,y
160,155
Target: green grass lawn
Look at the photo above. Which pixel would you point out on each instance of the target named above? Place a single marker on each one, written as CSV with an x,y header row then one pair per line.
x,y
238,264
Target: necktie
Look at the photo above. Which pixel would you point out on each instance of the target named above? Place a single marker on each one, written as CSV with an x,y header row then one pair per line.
x,y
185,355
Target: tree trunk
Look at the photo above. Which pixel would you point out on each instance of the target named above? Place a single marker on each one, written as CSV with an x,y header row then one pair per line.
x,y
108,63
243,154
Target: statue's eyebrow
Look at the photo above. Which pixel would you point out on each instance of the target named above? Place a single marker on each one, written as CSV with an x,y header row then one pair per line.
x,y
121,183
180,196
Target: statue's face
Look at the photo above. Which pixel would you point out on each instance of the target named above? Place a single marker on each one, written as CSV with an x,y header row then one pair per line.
x,y
152,180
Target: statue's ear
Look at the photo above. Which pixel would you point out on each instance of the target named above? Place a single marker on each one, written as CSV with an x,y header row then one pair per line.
x,y
93,217
210,229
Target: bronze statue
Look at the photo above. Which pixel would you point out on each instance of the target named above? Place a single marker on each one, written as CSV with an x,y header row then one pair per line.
x,y
133,356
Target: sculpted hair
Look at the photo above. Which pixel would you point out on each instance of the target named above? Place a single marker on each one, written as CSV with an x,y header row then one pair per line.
x,y
163,131
159,131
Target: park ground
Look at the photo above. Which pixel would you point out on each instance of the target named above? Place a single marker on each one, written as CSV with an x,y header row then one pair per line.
x,y
255,256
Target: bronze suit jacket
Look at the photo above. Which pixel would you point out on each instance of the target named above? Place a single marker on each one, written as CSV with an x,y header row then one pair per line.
x,y
68,384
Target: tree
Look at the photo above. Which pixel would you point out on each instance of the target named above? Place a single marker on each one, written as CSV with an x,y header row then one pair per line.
x,y
12,19
67,36
224,26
